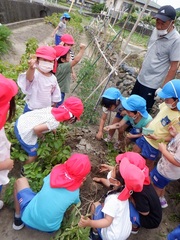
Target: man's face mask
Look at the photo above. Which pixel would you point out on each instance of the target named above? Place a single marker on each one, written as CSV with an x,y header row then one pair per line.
x,y
162,33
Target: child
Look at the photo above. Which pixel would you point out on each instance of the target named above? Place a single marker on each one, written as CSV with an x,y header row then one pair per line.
x,y
145,208
45,210
39,83
112,219
168,115
44,120
8,89
64,69
111,101
136,114
168,167
68,40
61,28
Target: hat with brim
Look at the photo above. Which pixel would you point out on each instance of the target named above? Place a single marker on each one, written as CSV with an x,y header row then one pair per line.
x,y
166,13
133,178
72,173
71,106
46,52
137,160
8,89
112,94
135,103
61,50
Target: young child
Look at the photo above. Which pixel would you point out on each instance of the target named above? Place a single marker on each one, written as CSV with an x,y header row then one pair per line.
x,y
44,120
111,220
64,69
8,89
61,28
168,115
39,83
68,40
45,210
136,114
111,101
168,167
145,208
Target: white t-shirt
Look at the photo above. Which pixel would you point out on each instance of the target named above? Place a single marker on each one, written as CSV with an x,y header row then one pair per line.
x,y
27,122
41,92
4,154
164,167
121,226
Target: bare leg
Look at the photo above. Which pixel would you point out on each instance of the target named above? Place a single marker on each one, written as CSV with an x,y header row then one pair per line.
x,y
159,191
112,131
30,159
136,149
19,185
150,164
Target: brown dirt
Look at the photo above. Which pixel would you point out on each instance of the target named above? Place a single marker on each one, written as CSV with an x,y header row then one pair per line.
x,y
97,154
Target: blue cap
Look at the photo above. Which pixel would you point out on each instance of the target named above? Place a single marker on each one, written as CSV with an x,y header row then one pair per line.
x,y
66,15
113,94
171,90
135,103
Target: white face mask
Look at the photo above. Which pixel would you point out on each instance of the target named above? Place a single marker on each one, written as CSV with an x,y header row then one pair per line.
x,y
135,117
170,105
162,33
45,66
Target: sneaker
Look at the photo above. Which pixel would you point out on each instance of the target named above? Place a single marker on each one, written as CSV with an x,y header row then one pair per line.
x,y
18,224
135,230
163,202
1,204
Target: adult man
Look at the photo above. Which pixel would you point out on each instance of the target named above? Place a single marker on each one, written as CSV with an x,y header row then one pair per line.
x,y
162,57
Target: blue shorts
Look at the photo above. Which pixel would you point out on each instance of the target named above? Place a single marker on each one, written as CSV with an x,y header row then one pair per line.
x,y
30,149
175,234
57,39
26,109
98,214
147,151
134,215
118,115
0,188
24,197
158,180
62,99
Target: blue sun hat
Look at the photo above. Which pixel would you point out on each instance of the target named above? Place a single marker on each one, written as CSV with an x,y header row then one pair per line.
x,y
171,90
112,93
135,103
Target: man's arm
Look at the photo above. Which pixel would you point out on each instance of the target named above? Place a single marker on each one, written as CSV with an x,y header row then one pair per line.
x,y
172,72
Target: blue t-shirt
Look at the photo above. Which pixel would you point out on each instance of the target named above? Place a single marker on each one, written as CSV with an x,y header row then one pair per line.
x,y
46,210
142,123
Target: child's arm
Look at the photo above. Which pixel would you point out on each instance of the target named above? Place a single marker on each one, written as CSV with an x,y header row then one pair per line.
x,y
131,136
168,155
39,129
7,164
78,57
101,223
104,181
99,135
55,30
115,125
31,70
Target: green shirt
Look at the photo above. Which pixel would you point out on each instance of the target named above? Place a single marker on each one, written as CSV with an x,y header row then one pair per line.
x,y
63,75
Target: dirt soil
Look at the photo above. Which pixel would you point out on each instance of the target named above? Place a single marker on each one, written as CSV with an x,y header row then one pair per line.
x,y
97,151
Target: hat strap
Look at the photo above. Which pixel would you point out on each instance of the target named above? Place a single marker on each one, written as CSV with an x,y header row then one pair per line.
x,y
174,89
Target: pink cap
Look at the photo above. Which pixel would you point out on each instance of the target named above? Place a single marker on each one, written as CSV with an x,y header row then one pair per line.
x,y
72,173
61,50
46,52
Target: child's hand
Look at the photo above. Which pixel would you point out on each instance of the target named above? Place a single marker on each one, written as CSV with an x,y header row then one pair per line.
x,y
105,167
84,221
99,135
107,128
162,147
8,164
82,46
32,63
152,136
172,130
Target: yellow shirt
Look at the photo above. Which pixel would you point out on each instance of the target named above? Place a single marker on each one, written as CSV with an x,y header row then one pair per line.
x,y
161,122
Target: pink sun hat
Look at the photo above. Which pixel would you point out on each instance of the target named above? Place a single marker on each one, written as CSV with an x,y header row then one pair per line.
x,y
72,173
133,178
8,89
137,160
46,52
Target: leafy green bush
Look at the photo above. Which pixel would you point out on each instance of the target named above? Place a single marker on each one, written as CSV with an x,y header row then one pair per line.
x,y
5,32
97,7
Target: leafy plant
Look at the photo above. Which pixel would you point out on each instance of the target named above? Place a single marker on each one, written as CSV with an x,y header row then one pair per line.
x,y
5,32
98,7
